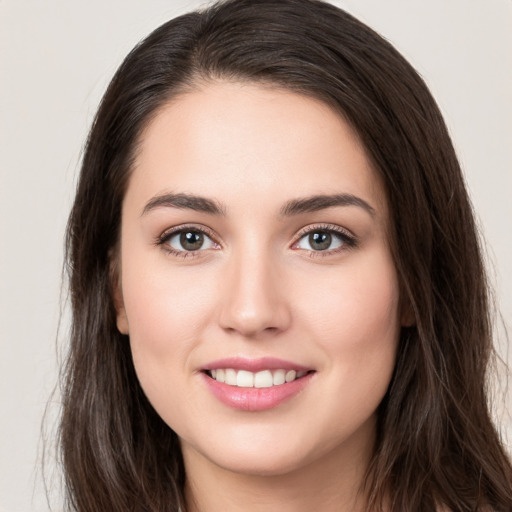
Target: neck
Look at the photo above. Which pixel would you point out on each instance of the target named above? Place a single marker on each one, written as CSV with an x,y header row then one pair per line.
x,y
331,483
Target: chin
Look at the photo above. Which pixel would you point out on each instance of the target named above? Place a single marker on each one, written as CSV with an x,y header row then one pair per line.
x,y
263,453
264,464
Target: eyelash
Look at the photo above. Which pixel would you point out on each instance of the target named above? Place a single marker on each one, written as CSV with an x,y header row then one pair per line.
x,y
167,235
349,241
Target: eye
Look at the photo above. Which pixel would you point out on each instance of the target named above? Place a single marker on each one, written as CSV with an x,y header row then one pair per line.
x,y
325,240
320,241
187,240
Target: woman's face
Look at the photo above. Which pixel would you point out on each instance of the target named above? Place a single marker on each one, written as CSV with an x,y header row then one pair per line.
x,y
256,280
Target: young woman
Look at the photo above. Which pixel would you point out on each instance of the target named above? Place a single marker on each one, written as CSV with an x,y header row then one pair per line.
x,y
278,296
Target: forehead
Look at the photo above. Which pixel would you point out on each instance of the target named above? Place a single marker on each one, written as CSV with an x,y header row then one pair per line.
x,y
225,139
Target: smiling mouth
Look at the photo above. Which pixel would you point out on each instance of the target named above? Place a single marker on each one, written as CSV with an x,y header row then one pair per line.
x,y
261,379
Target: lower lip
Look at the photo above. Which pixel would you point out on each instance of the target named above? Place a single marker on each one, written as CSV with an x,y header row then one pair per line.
x,y
256,399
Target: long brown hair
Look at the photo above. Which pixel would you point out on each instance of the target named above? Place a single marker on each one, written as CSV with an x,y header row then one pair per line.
x,y
437,445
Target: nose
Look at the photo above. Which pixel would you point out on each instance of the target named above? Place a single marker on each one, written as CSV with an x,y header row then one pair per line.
x,y
254,301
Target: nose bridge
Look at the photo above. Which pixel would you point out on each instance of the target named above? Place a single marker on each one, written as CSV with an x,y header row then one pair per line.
x,y
253,301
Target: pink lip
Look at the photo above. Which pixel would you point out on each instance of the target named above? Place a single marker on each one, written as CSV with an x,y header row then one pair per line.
x,y
255,365
255,399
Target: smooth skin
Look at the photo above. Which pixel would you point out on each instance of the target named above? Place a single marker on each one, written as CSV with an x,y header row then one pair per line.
x,y
254,283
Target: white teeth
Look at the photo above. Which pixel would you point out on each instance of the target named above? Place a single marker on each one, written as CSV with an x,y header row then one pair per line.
x,y
290,375
262,379
245,379
230,377
278,377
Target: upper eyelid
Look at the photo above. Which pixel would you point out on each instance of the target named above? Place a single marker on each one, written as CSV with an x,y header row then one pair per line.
x,y
162,240
324,227
350,240
190,227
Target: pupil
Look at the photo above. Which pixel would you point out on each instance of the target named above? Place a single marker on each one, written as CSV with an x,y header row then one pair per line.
x,y
320,240
191,241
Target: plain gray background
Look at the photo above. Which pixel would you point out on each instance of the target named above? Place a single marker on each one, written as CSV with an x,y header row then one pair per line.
x,y
56,58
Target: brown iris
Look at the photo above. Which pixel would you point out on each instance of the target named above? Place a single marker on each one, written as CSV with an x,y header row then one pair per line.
x,y
320,240
191,240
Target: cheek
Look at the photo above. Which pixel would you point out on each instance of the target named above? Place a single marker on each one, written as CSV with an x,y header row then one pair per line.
x,y
357,300
167,310
355,319
355,322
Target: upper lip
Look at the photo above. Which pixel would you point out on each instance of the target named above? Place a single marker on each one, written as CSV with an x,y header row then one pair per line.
x,y
255,365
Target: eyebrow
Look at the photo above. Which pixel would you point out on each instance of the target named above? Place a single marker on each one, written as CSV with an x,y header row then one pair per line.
x,y
321,202
294,207
185,202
